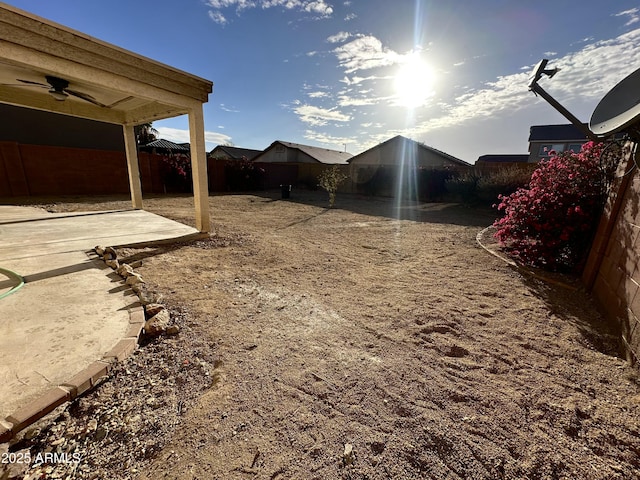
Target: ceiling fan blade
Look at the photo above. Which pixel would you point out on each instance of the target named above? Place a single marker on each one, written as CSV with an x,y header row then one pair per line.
x,y
85,96
18,85
29,82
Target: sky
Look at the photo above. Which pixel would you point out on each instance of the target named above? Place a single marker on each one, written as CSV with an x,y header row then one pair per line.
x,y
347,75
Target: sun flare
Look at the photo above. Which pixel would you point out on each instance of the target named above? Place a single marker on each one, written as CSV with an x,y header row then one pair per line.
x,y
414,83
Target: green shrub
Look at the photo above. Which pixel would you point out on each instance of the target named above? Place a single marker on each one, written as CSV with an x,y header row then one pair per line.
x,y
464,187
476,186
503,181
330,179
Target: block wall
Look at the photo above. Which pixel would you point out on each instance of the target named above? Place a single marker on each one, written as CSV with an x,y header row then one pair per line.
x,y
612,270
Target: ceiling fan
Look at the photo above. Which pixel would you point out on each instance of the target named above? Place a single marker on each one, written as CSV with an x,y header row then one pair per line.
x,y
59,89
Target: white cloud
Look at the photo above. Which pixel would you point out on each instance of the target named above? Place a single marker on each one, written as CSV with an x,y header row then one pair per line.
x,y
364,53
355,80
349,17
178,135
217,17
317,7
508,93
335,143
318,116
228,109
240,4
216,137
372,125
317,94
339,37
594,70
633,15
345,101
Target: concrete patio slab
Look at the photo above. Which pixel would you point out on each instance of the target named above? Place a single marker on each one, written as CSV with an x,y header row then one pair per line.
x,y
72,310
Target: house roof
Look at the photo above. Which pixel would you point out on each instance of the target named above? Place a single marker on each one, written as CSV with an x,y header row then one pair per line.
x,y
451,158
322,155
504,158
167,145
553,133
237,152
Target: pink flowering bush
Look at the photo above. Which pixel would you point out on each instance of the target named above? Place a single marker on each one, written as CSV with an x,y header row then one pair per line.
x,y
550,223
176,173
179,163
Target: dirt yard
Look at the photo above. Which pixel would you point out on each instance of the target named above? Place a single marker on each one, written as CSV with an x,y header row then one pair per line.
x,y
363,342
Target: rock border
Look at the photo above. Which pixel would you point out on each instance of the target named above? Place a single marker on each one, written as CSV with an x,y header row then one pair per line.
x,y
157,316
147,316
495,251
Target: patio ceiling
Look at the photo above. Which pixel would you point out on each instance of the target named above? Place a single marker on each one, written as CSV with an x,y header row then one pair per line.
x,y
129,88
101,82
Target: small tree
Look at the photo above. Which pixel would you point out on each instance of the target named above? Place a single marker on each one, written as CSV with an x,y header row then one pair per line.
x,y
551,222
330,179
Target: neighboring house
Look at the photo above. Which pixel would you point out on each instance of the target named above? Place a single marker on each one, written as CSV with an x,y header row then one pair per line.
x,y
224,152
492,159
286,152
404,151
402,167
558,138
161,147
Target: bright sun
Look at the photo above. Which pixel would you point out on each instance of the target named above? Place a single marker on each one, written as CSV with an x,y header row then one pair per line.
x,y
414,83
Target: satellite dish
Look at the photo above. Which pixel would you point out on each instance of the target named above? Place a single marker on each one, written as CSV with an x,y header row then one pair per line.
x,y
619,109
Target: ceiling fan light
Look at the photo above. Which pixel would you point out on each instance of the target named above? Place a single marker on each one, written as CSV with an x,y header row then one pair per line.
x,y
58,95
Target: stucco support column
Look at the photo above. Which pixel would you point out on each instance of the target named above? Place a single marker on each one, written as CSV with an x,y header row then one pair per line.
x,y
132,166
199,169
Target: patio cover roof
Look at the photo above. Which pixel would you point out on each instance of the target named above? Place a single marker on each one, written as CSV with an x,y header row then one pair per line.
x,y
105,83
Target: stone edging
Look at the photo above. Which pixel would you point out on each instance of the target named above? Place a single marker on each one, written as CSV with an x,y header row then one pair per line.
x,y
96,372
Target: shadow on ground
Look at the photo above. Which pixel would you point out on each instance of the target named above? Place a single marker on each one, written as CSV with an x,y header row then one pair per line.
x,y
569,300
449,213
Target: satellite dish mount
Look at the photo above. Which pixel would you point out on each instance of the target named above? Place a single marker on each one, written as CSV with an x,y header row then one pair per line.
x,y
540,70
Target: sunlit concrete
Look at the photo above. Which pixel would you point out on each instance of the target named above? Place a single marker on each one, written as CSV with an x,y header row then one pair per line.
x,y
72,308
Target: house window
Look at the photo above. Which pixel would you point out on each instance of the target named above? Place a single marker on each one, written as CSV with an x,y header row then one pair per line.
x,y
575,147
545,150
